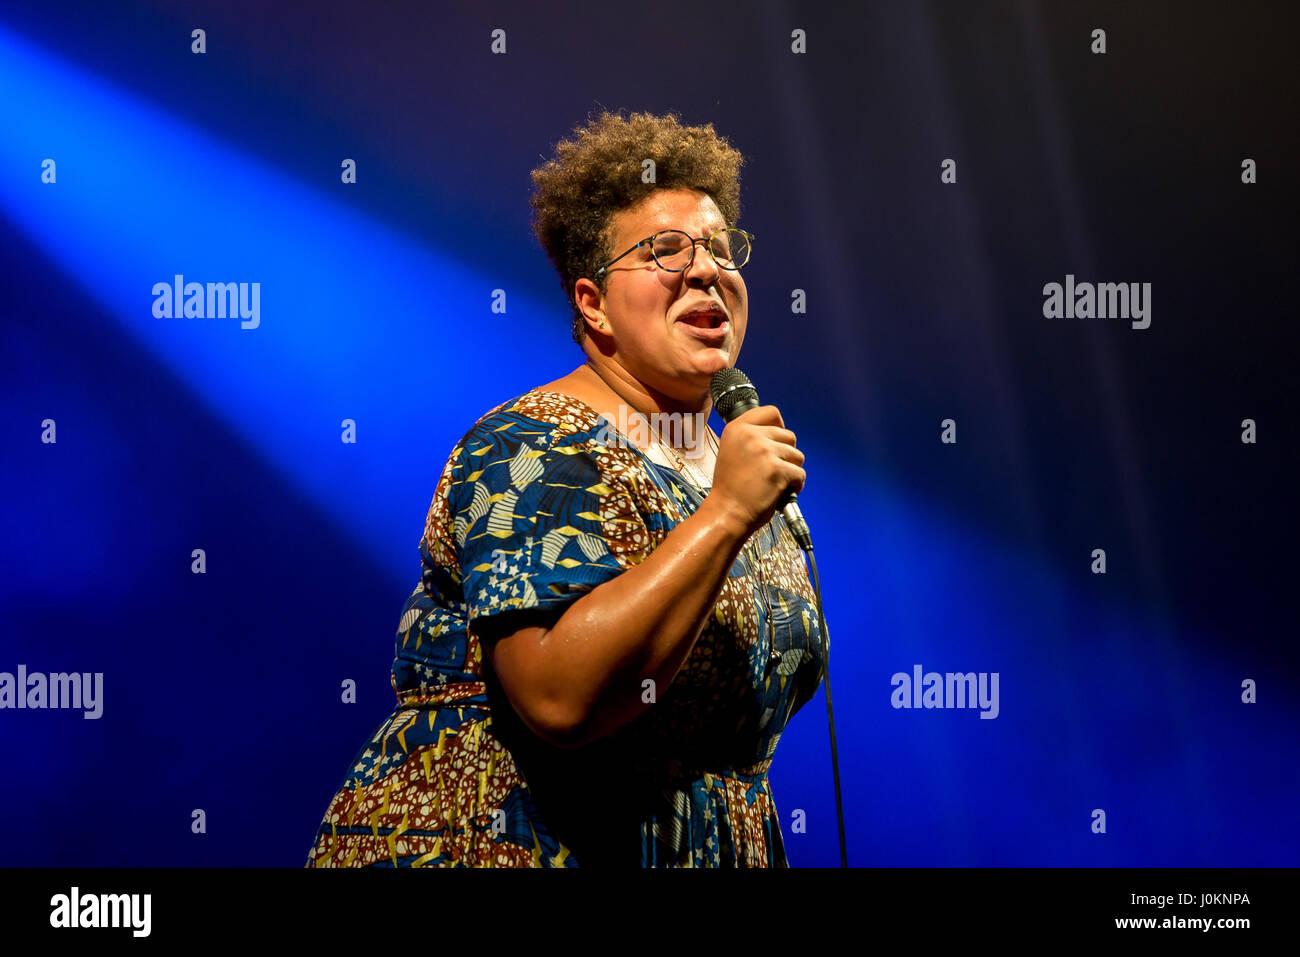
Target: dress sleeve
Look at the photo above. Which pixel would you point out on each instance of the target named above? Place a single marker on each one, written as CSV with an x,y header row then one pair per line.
x,y
539,517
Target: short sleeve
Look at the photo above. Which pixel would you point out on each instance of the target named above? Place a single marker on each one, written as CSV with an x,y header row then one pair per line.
x,y
539,516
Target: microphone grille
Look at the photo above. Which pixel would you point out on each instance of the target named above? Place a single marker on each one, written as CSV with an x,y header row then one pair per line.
x,y
726,388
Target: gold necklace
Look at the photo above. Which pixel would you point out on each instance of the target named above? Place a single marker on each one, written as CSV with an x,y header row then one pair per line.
x,y
682,465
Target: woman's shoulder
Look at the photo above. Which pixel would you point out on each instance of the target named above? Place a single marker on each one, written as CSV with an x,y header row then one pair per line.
x,y
508,447
538,417
553,461
563,413
551,429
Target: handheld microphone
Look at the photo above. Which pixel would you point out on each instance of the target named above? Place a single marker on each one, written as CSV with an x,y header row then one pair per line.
x,y
734,395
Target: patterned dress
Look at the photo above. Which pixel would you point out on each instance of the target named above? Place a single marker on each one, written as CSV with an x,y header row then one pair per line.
x,y
539,503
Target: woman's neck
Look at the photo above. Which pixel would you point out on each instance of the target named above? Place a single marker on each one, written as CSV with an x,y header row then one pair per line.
x,y
686,432
639,397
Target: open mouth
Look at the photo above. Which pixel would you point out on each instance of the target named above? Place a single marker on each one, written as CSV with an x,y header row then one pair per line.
x,y
705,320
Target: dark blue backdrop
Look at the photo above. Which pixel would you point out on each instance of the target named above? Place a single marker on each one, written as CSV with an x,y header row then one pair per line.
x,y
1119,692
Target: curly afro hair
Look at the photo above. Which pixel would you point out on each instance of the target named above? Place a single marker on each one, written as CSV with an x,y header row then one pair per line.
x,y
599,174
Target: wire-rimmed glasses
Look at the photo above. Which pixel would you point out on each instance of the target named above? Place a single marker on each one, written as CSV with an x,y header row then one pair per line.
x,y
674,250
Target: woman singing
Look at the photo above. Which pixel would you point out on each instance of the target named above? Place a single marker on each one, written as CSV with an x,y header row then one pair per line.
x,y
613,624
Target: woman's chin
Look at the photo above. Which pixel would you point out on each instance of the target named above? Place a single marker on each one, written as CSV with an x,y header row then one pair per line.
x,y
714,359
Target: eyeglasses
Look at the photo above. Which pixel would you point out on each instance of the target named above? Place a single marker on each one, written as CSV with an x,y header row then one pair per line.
x,y
674,250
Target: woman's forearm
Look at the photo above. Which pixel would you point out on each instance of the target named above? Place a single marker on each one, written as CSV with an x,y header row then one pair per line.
x,y
640,625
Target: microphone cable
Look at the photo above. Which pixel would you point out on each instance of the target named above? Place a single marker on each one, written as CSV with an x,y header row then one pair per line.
x,y
830,712
733,395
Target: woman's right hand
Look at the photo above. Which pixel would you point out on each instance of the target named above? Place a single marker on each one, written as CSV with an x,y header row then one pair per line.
x,y
756,462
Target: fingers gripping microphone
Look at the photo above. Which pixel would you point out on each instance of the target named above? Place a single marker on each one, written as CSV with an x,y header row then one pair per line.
x,y
734,395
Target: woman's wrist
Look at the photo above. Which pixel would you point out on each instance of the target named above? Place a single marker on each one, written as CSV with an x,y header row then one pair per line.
x,y
726,518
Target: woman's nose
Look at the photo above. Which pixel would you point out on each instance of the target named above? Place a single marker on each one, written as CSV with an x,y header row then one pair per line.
x,y
703,259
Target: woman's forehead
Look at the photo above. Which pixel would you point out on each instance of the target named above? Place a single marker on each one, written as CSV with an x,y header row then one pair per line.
x,y
669,209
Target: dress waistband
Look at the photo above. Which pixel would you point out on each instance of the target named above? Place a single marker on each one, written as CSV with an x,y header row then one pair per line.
x,y
461,694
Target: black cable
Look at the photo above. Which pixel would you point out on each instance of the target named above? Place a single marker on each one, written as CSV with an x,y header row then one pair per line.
x,y
830,713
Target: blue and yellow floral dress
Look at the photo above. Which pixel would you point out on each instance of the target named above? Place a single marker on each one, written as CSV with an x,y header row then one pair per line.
x,y
535,507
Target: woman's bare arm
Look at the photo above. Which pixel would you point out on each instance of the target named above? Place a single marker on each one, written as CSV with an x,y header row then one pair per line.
x,y
582,678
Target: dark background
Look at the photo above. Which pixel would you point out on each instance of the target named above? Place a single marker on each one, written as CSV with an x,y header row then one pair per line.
x,y
222,691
